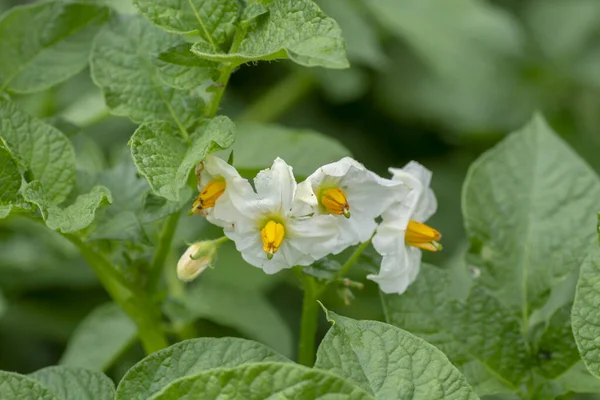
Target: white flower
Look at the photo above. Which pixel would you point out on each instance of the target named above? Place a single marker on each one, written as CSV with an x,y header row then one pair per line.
x,y
402,233
196,259
219,185
351,195
266,231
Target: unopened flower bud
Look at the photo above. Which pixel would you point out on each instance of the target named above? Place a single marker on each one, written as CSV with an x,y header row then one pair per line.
x,y
196,259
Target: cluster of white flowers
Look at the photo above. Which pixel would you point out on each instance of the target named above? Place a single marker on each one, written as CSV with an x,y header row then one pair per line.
x,y
278,224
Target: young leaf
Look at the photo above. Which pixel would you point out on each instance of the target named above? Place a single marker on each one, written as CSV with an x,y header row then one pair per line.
x,y
122,65
529,218
99,339
47,43
257,145
44,151
72,218
212,20
478,335
586,312
10,182
178,67
186,358
245,310
17,386
388,362
264,380
294,29
165,159
75,383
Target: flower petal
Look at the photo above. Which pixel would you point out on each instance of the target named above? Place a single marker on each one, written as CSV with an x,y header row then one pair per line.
x,y
398,270
275,187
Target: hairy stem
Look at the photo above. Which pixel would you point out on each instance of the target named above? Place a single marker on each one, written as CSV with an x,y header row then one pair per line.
x,y
279,98
310,314
136,304
162,251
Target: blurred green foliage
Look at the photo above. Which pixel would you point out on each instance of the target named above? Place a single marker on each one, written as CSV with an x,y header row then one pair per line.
x,y
437,81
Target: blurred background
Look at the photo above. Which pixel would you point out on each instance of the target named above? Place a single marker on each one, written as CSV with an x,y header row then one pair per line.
x,y
435,81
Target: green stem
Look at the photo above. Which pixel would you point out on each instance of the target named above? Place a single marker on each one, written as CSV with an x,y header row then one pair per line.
x,y
162,251
279,98
310,313
223,80
351,260
139,307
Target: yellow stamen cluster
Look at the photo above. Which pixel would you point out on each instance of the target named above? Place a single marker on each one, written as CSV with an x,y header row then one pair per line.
x,y
208,196
334,201
272,235
422,236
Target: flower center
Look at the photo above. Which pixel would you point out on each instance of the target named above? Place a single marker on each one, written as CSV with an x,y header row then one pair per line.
x,y
334,200
208,196
422,236
272,235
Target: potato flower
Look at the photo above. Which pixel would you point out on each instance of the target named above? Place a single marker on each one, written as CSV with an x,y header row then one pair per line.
x,y
402,234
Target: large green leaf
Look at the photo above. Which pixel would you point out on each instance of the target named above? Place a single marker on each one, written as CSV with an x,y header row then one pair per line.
x,y
72,218
43,151
389,362
557,351
478,335
530,219
187,358
257,145
100,338
575,380
44,44
165,159
294,29
586,312
76,383
122,65
10,182
248,311
20,387
264,380
212,20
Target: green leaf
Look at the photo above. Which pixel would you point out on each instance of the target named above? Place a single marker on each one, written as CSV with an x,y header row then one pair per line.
x,y
262,381
47,43
294,29
557,351
122,65
178,67
586,312
257,145
100,338
10,182
20,387
212,20
72,218
245,310
575,380
165,159
44,151
186,358
529,218
75,383
120,221
362,43
478,335
389,362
